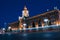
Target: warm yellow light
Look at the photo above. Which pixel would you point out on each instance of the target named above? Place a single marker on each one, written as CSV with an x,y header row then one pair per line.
x,y
57,24
14,28
20,28
36,26
42,24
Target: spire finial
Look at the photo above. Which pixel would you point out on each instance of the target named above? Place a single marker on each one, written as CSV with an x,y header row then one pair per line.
x,y
25,7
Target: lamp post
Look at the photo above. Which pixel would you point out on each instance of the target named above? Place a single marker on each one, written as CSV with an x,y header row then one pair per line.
x,y
46,21
5,24
3,30
9,28
24,26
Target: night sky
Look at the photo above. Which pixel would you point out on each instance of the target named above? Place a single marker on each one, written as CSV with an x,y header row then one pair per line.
x,y
11,9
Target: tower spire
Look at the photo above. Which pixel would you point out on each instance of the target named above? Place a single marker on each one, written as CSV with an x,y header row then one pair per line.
x,y
25,8
25,12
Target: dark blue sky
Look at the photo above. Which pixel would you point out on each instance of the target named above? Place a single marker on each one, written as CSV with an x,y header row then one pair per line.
x,y
11,9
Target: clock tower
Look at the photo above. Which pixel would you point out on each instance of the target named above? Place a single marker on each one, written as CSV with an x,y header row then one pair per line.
x,y
25,12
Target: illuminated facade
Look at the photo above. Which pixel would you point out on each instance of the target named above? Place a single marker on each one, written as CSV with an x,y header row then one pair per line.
x,y
41,20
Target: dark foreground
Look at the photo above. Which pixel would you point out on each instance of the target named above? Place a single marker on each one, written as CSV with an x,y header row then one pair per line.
x,y
31,36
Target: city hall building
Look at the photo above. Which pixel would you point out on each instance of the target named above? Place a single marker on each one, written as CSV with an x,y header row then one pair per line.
x,y
45,19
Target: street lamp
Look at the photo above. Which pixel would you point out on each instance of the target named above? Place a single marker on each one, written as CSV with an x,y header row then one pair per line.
x,y
46,20
3,29
9,27
24,25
